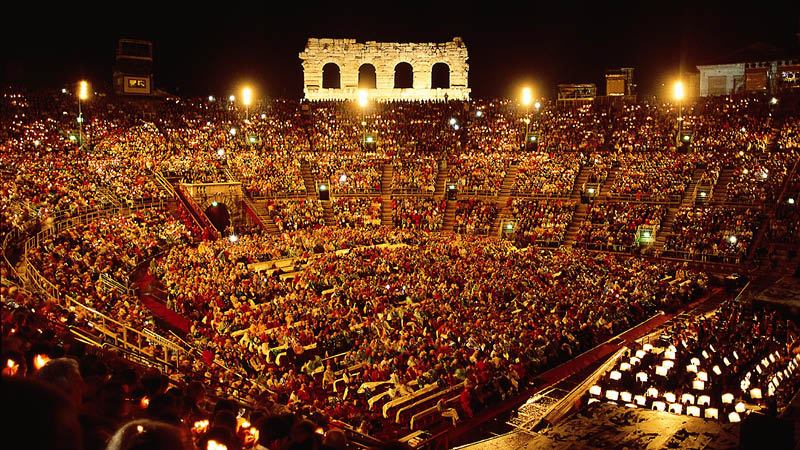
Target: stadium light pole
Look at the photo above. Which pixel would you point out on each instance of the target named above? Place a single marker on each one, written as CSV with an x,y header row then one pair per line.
x,y
362,102
247,94
678,93
527,98
83,94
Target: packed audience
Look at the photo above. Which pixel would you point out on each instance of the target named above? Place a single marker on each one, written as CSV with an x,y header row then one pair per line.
x,y
290,215
614,226
714,232
541,221
418,213
474,216
357,212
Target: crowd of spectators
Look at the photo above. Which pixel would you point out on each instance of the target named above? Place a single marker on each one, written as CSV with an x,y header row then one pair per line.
x,y
652,175
613,225
414,174
348,173
290,215
268,173
478,172
357,212
713,232
418,213
474,216
541,221
551,175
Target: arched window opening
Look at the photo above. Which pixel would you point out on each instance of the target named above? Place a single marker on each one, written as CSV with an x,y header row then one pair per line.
x,y
331,77
440,76
403,76
366,77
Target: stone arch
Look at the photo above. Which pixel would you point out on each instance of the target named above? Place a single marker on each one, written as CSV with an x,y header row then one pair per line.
x,y
367,78
440,76
331,76
403,75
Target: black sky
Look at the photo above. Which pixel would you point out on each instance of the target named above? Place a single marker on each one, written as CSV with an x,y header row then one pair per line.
x,y
200,51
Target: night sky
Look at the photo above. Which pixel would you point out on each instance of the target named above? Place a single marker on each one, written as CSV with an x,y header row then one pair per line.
x,y
210,52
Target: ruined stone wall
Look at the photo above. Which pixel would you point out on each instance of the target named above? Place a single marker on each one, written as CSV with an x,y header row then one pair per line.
x,y
350,55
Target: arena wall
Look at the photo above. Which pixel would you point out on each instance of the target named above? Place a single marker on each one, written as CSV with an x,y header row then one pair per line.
x,y
350,56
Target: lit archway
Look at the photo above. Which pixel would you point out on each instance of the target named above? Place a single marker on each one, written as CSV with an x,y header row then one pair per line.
x,y
366,77
403,76
331,76
440,76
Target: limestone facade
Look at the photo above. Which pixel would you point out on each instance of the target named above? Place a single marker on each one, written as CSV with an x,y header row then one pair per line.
x,y
350,55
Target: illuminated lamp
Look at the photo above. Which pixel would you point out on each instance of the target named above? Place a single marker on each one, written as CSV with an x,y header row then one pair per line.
x,y
263,116
591,190
659,406
675,408
40,361
220,152
695,361
755,393
252,139
322,187
693,411
612,394
691,368
712,413
652,392
479,113
342,178
670,397
668,363
740,407
704,400
702,375
626,396
703,194
687,398
214,204
727,398
615,375
625,367
596,390
233,131
698,385
660,370
717,370
790,201
641,376
233,238
640,400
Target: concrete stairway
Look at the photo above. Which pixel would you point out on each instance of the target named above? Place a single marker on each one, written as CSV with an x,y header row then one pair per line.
x,y
386,211
688,196
666,228
583,177
260,209
449,216
577,219
308,178
386,178
441,179
721,189
502,213
327,213
509,180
